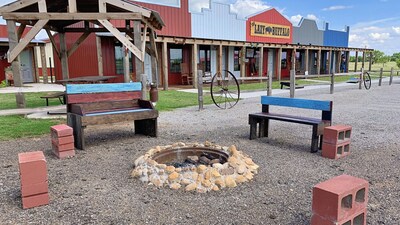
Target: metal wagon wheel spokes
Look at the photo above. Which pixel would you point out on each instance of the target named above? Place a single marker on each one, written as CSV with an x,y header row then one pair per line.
x,y
367,81
225,91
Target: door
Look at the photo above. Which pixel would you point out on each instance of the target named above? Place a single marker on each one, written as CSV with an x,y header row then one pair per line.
x,y
26,66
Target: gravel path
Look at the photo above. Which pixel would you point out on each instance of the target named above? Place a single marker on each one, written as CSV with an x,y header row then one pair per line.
x,y
95,187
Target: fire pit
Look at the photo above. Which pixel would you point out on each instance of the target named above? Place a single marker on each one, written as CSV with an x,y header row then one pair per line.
x,y
196,167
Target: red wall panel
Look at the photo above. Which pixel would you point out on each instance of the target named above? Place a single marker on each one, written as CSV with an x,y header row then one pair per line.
x,y
271,16
83,62
178,21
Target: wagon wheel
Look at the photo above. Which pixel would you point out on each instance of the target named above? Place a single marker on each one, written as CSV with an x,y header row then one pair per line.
x,y
225,91
367,81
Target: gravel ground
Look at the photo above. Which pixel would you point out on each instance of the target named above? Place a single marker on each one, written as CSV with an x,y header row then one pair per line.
x,y
95,186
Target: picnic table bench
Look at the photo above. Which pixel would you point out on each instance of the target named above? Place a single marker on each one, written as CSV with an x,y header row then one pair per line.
x,y
93,104
318,124
287,84
59,94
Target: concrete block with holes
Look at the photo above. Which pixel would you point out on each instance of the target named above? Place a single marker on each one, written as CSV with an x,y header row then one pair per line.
x,y
339,200
335,151
337,134
359,218
33,175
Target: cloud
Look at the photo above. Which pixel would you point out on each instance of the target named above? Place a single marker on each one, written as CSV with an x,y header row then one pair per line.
x,y
296,19
396,30
337,7
197,5
245,8
379,36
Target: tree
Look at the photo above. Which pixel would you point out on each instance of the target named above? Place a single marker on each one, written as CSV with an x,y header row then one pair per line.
x,y
395,57
398,63
377,56
384,60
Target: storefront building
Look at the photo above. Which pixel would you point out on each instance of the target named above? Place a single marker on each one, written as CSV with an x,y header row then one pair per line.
x,y
216,39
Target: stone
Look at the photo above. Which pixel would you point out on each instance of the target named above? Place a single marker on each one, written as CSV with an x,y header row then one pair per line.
x,y
158,148
233,161
195,175
207,175
193,158
241,169
204,160
156,181
136,173
215,188
178,170
173,176
215,173
162,166
201,168
139,161
191,187
241,179
249,161
175,186
220,182
217,165
206,183
170,169
212,162
228,171
248,175
232,149
186,181
230,182
207,144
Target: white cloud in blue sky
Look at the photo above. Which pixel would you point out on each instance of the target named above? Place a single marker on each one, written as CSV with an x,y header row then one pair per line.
x,y
375,30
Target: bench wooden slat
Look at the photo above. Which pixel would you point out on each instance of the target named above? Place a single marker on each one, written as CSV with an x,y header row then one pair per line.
x,y
102,97
116,112
288,118
102,88
297,102
121,117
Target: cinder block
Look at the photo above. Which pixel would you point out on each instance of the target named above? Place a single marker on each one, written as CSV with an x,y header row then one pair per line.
x,y
340,197
337,134
34,189
35,200
64,154
359,218
62,148
32,168
61,130
63,140
335,151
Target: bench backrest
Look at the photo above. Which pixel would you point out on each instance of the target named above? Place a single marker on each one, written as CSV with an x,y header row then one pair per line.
x,y
324,106
86,98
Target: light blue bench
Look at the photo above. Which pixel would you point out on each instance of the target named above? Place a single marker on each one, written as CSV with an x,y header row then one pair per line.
x,y
93,104
262,119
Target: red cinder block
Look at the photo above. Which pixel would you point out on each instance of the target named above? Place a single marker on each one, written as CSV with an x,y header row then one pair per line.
x,y
340,197
337,134
335,151
64,154
359,218
34,189
63,140
32,168
61,130
35,200
62,148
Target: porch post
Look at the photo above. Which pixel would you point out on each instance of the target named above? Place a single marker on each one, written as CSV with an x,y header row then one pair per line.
x,y
165,64
261,63
307,61
44,64
138,43
64,56
194,64
355,65
319,62
279,62
99,56
330,62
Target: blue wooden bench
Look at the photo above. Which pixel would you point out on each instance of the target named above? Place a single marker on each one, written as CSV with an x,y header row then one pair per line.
x,y
93,104
318,124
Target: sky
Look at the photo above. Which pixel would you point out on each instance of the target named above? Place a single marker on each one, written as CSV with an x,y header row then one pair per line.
x,y
373,23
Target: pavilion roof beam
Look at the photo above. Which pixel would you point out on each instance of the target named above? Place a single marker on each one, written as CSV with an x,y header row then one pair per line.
x,y
25,41
53,42
124,40
125,6
20,31
71,16
75,46
14,6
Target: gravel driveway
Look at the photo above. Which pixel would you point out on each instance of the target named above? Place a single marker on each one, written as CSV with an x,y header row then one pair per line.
x,y
95,187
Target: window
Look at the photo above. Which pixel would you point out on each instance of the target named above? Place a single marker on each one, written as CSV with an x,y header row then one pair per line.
x,y
284,60
236,59
175,60
119,59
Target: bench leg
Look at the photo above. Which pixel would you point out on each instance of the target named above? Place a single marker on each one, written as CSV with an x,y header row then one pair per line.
x,y
314,140
253,128
146,127
75,122
264,127
321,137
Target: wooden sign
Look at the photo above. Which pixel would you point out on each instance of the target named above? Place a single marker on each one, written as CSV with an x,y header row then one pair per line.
x,y
269,30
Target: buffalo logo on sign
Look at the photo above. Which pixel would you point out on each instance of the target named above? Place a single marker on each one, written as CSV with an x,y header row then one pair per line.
x,y
269,30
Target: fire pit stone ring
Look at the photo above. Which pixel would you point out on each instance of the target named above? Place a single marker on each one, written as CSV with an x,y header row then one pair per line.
x,y
196,167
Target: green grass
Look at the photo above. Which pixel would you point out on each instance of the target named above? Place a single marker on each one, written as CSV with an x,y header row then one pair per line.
x,y
12,127
33,100
170,100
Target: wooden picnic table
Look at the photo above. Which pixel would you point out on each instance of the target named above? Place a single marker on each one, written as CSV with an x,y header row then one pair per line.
x,y
85,80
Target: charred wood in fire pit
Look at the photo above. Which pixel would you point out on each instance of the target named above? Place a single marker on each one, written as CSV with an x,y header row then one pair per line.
x,y
204,160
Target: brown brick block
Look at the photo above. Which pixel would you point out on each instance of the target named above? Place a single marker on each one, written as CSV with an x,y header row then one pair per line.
x,y
337,134
62,148
32,168
335,151
339,198
63,140
359,218
35,200
34,189
65,154
61,130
